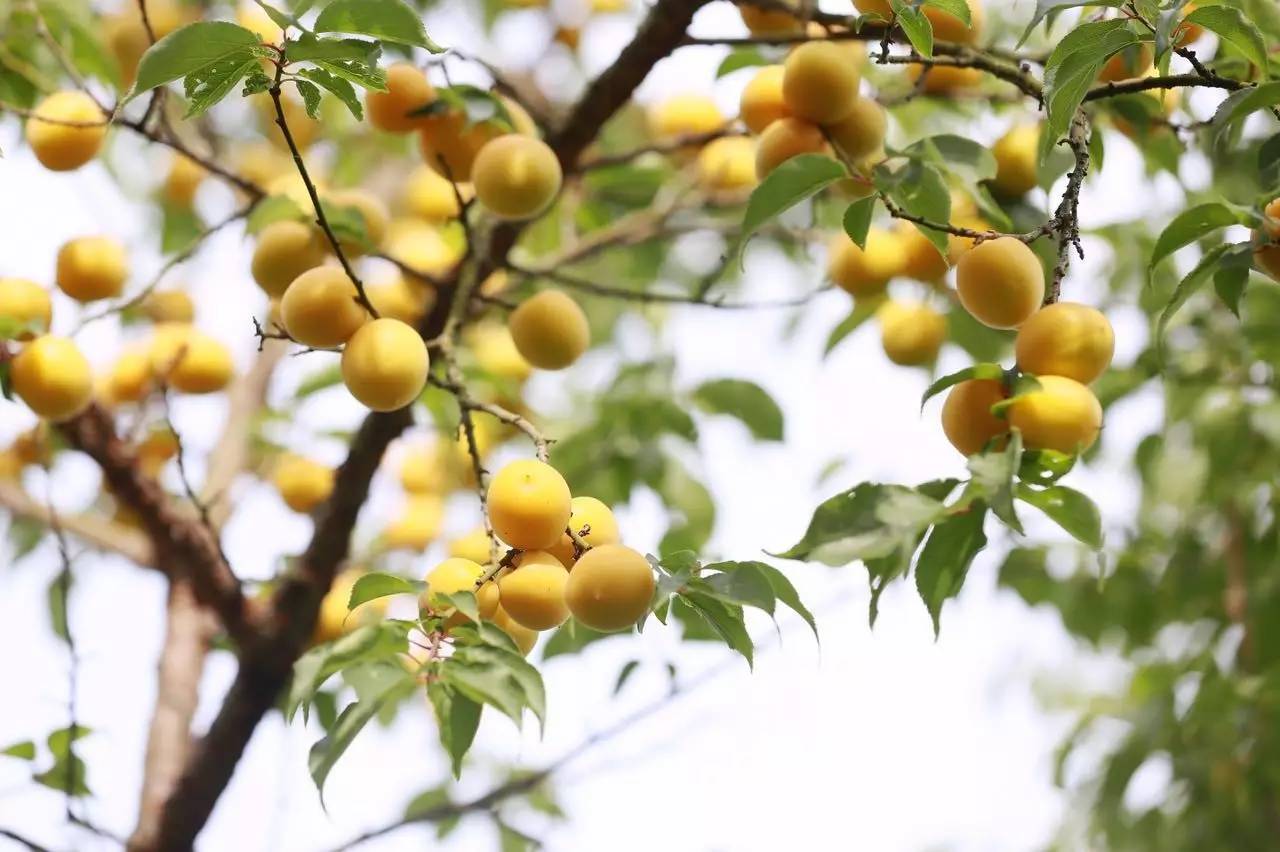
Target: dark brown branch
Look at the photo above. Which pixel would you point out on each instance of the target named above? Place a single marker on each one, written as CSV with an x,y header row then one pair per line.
x,y
1066,219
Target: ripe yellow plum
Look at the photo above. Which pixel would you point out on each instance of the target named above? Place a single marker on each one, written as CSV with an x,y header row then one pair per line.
x,y
130,377
496,353
429,196
417,525
684,115
921,258
92,268
762,103
24,304
53,378
320,309
516,177
967,420
385,364
66,130
769,22
820,82
864,272
474,546
182,181
408,89
533,594
169,306
202,365
450,145
610,588
1066,339
594,516
529,504
727,166
784,139
285,250
421,470
451,576
944,79
1017,157
549,330
1061,415
422,247
301,482
395,297
860,134
911,332
1000,282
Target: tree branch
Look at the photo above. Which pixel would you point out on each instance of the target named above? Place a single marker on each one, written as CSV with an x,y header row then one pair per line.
x,y
99,533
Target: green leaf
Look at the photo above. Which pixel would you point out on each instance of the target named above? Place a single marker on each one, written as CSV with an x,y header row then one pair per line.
x,y
570,638
786,186
1070,509
23,535
920,190
1188,286
746,401
1233,27
68,24
274,208
915,25
211,84
780,587
1192,224
1229,283
993,475
1072,69
863,310
857,219
955,8
190,49
1240,104
25,750
499,676
739,58
726,620
336,86
1047,7
308,48
975,371
458,718
310,97
325,377
368,643
68,773
375,585
624,674
955,154
325,753
868,522
1269,163
945,559
56,596
179,228
389,20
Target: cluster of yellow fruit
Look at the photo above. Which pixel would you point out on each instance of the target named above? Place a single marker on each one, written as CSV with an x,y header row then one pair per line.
x,y
1065,345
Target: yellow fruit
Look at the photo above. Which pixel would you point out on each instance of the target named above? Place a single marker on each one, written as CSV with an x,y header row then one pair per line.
x,y
921,258
169,306
1066,339
421,470
24,305
1000,282
66,130
1017,156
429,196
450,577
1062,415
1133,61
762,103
385,364
684,115
182,181
727,166
820,82
524,638
127,40
549,330
408,89
533,594
945,79
155,450
333,619
1186,33
130,378
967,420
529,504
1267,257
252,17
53,378
261,163
302,483
496,353
204,365
285,250
516,177
474,546
862,272
417,526
769,22
450,146
319,308
398,299
610,588
488,599
421,247
784,139
860,134
911,332
597,518
91,268
372,213
947,27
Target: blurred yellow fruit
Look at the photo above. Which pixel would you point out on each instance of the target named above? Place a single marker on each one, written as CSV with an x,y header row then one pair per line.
x,y
183,180
302,483
24,304
52,377
864,272
784,139
417,525
496,353
66,130
92,268
130,378
408,89
333,620
285,250
762,103
169,306
727,166
1017,156
684,115
474,546
429,196
549,330
911,332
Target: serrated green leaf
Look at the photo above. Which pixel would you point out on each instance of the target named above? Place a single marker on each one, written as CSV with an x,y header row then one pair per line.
x,y
946,556
389,20
310,97
1233,27
326,752
211,84
779,585
746,401
863,310
367,643
190,49
993,473
726,620
1070,509
1047,7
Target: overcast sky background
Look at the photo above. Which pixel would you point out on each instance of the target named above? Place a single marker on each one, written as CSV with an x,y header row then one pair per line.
x,y
880,739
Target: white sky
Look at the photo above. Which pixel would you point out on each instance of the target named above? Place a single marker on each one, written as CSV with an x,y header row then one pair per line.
x,y
883,740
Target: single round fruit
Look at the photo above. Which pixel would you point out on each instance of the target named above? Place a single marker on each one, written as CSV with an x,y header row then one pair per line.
x,y
495,352
921,259
1066,339
762,103
408,89
421,470
92,268
516,177
66,130
320,309
784,139
169,306
302,483
203,365
911,332
1061,415
529,504
52,377
429,196
373,215
727,166
24,305
820,82
423,248
183,181
610,588
385,364
860,134
684,115
130,378
533,594
398,299
474,546
549,330
864,272
524,638
769,22
1017,158
944,79
451,576
285,250
594,516
418,524
967,420
1000,282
